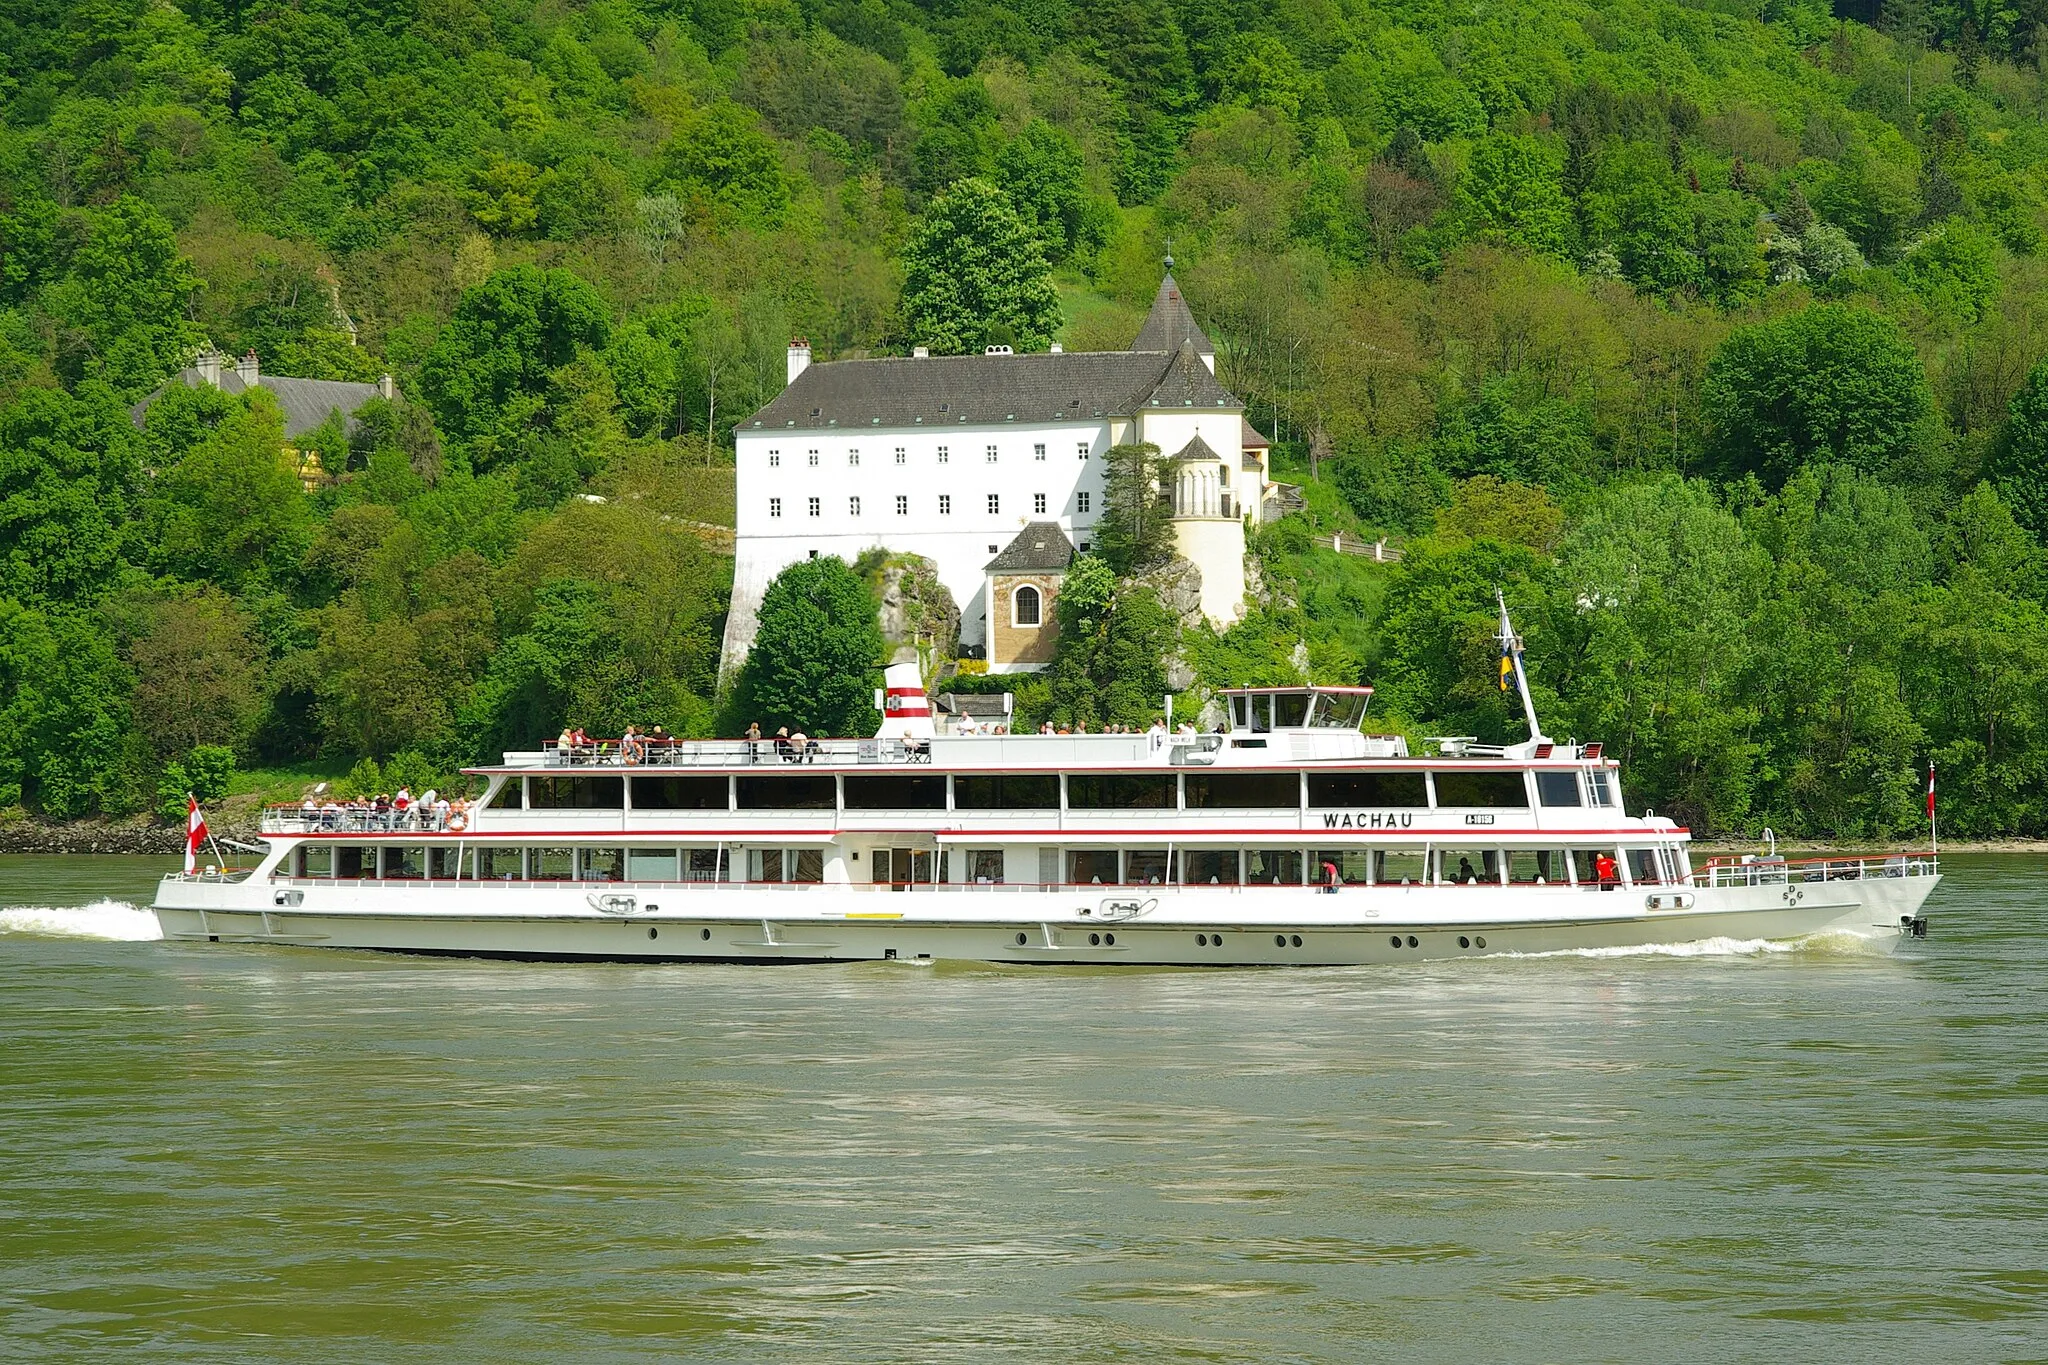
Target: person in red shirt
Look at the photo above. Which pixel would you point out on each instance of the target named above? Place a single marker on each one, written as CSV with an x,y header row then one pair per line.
x,y
1605,872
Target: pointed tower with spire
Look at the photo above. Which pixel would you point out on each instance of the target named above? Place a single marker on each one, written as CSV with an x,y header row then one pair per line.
x,y
1171,325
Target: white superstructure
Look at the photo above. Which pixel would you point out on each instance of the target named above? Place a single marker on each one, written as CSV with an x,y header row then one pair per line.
x,y
1291,837
948,457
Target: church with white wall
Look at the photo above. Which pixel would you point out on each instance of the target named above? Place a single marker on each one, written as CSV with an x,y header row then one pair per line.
x,y
954,458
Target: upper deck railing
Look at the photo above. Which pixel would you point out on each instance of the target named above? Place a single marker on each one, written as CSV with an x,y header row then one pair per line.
x,y
1780,872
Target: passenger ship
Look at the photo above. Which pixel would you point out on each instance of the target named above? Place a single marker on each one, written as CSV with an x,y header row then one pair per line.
x,y
1289,836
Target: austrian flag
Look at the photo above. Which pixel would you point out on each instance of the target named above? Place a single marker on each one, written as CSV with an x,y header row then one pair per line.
x,y
195,833
1930,789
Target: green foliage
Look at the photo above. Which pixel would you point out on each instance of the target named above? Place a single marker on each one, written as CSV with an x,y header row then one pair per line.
x,y
1511,191
2019,462
974,273
204,773
1108,665
816,655
488,380
1829,383
1135,530
719,157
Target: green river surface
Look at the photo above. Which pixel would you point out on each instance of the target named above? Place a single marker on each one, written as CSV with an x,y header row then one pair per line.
x,y
1715,1152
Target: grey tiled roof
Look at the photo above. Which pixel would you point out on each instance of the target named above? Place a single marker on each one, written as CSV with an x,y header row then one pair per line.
x,y
986,390
1170,323
1162,369
1197,449
1251,440
1041,547
306,402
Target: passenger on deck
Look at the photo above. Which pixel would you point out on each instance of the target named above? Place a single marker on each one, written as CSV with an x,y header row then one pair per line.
x,y
782,745
1605,872
1466,876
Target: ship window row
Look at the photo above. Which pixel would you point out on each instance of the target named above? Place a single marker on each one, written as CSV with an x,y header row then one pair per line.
x,y
1362,792
1454,865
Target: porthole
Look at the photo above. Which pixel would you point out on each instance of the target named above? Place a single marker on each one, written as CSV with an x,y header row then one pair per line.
x,y
1296,940
1411,941
704,934
1279,940
1022,940
1464,942
1480,941
1395,940
1094,940
654,933
1201,940
1109,939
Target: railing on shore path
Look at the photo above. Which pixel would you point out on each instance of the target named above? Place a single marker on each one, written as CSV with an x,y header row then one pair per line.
x,y
1755,871
1379,551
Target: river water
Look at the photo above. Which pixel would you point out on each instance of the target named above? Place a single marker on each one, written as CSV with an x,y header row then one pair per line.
x,y
219,1153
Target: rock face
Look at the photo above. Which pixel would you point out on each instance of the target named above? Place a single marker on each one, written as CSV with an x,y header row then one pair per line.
x,y
917,610
1178,584
105,836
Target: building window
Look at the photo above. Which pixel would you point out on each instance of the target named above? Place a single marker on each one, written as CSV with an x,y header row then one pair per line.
x,y
775,507
1024,607
853,507
853,459
1038,453
902,504
944,455
816,509
1038,503
945,504
1082,501
902,456
990,458
995,504
1086,546
1082,450
775,459
814,459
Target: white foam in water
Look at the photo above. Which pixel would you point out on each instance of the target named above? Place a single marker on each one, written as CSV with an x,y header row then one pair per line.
x,y
1715,947
117,920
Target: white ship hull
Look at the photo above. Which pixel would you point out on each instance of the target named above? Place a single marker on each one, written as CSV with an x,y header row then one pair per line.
x,y
1131,926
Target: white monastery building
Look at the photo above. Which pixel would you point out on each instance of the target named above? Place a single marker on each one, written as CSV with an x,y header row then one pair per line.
x,y
957,458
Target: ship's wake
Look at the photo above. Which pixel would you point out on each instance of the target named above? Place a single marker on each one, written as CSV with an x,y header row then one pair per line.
x,y
1725,947
117,921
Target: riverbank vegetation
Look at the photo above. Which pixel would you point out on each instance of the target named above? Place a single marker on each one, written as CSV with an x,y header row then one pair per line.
x,y
1710,333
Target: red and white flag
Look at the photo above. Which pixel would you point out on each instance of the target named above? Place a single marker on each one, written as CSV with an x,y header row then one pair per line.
x,y
195,834
1930,789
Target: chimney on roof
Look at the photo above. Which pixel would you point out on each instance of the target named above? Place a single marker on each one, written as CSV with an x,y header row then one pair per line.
x,y
920,353
207,362
246,368
799,356
386,390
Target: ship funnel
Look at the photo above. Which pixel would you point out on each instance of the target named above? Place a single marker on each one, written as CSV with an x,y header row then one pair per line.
x,y
906,710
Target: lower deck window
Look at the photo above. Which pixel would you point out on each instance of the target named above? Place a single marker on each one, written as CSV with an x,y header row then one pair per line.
x,y
1145,866
1273,867
1468,866
551,864
601,864
1644,868
443,862
1343,867
1538,867
785,865
985,865
1209,867
1092,866
354,861
651,865
314,860
1400,867
500,864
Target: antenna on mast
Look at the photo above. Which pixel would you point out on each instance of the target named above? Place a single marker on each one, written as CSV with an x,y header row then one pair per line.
x,y
1511,656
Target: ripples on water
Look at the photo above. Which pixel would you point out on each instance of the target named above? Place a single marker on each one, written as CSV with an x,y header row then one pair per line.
x,y
1723,1151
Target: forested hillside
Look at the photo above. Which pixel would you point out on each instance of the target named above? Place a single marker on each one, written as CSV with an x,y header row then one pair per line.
x,y
1710,333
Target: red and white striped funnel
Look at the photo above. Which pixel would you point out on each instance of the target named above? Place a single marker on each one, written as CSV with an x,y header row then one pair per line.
x,y
906,710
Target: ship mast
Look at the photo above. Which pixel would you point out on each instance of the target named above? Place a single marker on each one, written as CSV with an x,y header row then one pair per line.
x,y
1511,649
